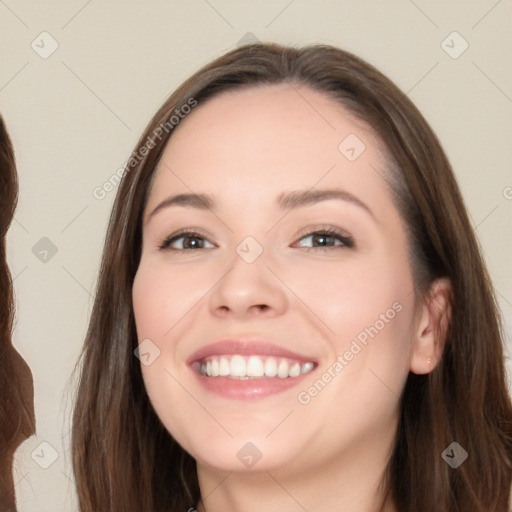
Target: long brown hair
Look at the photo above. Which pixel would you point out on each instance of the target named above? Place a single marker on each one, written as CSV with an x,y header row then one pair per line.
x,y
123,457
17,420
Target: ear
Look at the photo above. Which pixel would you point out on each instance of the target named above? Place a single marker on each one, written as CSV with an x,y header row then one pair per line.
x,y
431,328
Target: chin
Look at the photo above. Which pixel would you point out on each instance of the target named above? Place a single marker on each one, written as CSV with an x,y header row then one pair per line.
x,y
247,455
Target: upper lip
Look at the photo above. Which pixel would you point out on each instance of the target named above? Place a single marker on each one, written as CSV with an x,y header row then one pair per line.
x,y
246,348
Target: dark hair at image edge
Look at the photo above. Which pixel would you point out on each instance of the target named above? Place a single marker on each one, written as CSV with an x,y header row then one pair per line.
x,y
17,419
123,457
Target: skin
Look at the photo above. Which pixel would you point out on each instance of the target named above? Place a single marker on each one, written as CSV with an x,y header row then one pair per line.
x,y
246,148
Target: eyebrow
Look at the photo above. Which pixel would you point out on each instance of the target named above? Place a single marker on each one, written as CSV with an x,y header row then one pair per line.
x,y
286,200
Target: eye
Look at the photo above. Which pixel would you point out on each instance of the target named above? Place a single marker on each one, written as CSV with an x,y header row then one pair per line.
x,y
195,241
327,237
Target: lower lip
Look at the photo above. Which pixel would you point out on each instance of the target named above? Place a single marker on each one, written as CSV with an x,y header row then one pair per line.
x,y
248,389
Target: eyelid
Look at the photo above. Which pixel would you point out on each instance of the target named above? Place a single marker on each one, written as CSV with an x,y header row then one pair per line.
x,y
309,230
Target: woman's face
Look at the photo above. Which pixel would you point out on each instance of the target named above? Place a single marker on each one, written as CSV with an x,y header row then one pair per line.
x,y
260,288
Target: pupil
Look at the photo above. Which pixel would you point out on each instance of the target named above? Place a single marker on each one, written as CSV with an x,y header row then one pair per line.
x,y
322,237
194,240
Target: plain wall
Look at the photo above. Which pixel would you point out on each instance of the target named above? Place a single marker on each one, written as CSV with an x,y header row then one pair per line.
x,y
76,115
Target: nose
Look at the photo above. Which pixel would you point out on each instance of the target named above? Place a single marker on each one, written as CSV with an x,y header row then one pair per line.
x,y
248,290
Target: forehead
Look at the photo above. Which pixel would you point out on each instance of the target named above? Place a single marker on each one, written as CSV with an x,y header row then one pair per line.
x,y
267,137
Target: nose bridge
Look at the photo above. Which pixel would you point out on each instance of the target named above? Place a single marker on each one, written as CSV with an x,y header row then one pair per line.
x,y
249,285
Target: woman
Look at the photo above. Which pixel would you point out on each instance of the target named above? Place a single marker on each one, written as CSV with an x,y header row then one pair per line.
x,y
229,366
17,421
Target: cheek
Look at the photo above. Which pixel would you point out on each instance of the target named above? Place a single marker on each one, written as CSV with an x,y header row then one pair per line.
x,y
148,306
354,295
162,297
368,307
369,310
157,309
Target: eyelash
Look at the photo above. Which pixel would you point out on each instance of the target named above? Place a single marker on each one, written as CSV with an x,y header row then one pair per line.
x,y
347,241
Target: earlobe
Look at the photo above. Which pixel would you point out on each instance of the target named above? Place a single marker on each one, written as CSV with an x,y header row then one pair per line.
x,y
432,327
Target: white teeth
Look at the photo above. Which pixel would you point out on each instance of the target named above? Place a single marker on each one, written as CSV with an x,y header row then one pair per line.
x,y
283,368
224,368
215,368
307,367
294,370
237,367
246,367
255,367
271,367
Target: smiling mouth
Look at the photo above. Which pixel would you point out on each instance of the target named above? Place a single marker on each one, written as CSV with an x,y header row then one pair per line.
x,y
236,366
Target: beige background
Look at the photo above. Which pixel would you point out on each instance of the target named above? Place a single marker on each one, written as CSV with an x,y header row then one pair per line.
x,y
75,116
